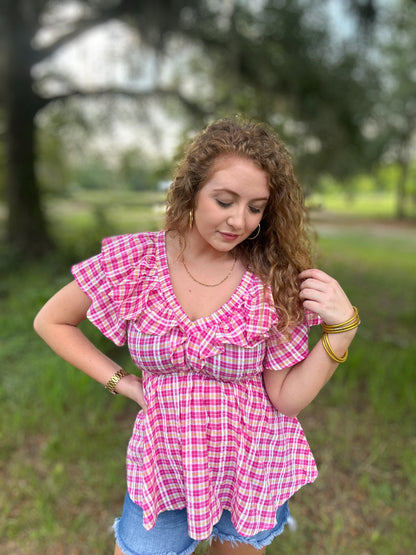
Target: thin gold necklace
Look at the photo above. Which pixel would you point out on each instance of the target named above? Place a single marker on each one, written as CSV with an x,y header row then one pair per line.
x,y
208,284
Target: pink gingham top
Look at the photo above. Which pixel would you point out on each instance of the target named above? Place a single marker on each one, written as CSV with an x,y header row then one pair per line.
x,y
211,439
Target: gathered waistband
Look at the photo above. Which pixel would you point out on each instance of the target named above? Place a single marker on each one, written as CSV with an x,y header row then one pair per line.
x,y
192,374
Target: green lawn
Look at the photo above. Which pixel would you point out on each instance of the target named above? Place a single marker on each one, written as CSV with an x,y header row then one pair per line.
x,y
376,204
63,439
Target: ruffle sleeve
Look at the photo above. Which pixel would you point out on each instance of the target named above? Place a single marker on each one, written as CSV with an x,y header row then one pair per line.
x,y
282,353
114,279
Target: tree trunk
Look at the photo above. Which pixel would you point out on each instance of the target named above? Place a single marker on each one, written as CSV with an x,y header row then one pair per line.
x,y
26,226
401,189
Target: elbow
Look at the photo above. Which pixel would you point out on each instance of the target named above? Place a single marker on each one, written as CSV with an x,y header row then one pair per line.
x,y
287,409
290,412
282,399
38,323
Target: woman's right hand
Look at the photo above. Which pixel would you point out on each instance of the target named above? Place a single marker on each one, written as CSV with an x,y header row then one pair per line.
x,y
131,386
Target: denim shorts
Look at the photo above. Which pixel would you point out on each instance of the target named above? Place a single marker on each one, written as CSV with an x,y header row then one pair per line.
x,y
170,536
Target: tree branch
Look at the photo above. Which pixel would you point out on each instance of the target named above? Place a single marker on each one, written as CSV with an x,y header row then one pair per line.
x,y
81,25
190,105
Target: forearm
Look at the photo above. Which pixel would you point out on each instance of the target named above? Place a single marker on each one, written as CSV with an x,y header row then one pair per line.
x,y
72,345
291,390
57,323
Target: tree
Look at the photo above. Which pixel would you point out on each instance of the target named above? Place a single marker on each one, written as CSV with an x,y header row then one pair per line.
x,y
20,106
273,61
20,21
396,109
281,64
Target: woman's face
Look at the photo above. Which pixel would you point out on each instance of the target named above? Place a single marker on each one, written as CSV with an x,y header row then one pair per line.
x,y
231,204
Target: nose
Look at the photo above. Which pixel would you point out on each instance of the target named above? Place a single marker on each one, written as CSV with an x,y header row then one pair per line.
x,y
236,218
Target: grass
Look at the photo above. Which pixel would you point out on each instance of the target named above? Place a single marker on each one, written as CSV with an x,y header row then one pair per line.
x,y
374,204
63,441
360,426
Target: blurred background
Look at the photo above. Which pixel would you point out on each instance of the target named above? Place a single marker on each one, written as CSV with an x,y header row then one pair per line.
x,y
97,97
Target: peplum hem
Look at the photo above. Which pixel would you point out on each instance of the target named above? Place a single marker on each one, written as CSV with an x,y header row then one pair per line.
x,y
210,446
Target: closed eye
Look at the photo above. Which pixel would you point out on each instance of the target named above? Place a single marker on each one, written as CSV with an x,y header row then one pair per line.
x,y
254,210
223,204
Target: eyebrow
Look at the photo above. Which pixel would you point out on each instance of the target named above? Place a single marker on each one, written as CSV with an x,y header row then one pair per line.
x,y
225,190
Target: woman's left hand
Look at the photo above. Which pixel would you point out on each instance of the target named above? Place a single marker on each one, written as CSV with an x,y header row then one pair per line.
x,y
323,295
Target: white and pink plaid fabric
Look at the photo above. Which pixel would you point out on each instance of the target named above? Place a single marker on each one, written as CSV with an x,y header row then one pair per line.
x,y
210,440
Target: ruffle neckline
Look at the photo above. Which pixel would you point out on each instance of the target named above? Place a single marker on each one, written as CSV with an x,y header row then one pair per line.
x,y
142,292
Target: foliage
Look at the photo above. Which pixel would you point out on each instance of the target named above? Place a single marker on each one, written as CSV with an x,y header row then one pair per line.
x,y
24,49
366,194
282,64
395,111
270,60
137,173
99,175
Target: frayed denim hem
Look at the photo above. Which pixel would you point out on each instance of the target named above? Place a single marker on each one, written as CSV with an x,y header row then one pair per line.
x,y
257,544
127,551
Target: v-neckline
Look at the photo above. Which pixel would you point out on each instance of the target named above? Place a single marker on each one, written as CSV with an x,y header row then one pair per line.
x,y
173,300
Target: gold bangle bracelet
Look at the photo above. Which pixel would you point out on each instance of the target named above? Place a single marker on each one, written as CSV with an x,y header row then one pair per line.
x,y
348,325
327,346
113,381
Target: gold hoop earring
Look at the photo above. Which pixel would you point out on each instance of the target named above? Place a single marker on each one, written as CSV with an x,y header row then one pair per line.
x,y
256,235
191,218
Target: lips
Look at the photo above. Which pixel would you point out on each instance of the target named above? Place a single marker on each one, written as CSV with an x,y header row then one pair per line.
x,y
228,236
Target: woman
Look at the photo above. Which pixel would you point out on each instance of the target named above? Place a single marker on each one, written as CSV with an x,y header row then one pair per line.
x,y
216,310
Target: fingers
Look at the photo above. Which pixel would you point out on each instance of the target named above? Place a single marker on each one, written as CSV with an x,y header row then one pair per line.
x,y
131,386
323,295
141,402
316,285
315,274
140,396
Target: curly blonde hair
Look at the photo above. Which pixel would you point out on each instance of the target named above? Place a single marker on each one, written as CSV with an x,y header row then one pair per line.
x,y
282,249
